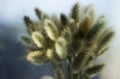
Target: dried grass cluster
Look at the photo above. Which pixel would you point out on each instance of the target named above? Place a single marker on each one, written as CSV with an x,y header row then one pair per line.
x,y
70,43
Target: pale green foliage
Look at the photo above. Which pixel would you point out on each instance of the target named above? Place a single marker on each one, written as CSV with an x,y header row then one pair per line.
x,y
73,41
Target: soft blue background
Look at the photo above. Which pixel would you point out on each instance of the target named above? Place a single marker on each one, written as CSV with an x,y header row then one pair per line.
x,y
12,26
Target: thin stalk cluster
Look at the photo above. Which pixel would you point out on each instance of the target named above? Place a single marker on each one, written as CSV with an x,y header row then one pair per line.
x,y
70,43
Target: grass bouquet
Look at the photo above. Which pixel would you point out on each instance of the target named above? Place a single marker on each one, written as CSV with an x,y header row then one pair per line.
x,y
71,44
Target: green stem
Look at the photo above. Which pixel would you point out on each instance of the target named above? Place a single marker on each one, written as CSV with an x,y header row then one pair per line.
x,y
76,76
69,70
58,71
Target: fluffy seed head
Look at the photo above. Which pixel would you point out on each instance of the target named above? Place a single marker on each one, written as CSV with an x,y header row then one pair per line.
x,y
60,47
51,30
36,57
75,12
50,53
38,39
94,69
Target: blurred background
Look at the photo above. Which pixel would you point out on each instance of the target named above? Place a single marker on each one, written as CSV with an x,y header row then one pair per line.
x,y
12,51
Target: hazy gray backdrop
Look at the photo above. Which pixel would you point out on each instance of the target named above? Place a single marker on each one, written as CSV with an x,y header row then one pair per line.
x,y
12,51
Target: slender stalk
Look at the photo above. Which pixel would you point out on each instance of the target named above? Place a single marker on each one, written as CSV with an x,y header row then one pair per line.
x,y
69,70
76,76
58,71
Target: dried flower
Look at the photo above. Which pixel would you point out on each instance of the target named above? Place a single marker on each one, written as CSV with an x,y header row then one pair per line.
x,y
37,57
71,44
51,30
38,39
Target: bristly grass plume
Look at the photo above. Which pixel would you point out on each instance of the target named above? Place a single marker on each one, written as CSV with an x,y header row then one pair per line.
x,y
76,41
